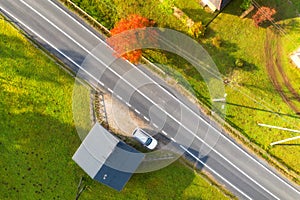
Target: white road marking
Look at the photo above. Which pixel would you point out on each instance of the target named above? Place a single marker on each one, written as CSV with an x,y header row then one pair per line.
x,y
138,112
110,90
225,95
164,132
119,97
243,151
173,139
101,83
154,125
146,118
214,172
128,104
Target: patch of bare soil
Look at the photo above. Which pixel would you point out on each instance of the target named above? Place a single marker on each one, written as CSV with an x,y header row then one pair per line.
x,y
276,73
121,119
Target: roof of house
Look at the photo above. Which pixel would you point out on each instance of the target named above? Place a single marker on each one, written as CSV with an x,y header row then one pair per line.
x,y
107,159
219,4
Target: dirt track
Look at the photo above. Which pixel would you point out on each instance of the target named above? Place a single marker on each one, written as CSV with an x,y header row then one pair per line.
x,y
276,72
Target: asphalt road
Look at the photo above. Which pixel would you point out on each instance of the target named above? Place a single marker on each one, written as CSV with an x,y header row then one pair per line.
x,y
74,42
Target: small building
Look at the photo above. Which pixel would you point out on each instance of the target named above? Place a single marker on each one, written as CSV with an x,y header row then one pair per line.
x,y
215,4
107,159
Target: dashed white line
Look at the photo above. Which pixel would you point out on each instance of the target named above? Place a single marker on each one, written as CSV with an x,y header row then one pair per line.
x,y
110,90
146,118
173,139
101,83
155,125
128,104
164,132
138,112
119,97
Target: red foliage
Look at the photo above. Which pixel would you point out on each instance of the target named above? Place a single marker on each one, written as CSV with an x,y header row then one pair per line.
x,y
120,44
263,14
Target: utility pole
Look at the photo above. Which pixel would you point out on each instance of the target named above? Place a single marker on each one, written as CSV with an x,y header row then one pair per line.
x,y
284,129
80,188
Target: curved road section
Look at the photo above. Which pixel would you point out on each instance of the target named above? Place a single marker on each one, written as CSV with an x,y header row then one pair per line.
x,y
71,40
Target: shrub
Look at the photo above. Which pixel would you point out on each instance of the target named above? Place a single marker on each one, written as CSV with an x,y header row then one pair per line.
x,y
167,6
246,4
197,30
239,62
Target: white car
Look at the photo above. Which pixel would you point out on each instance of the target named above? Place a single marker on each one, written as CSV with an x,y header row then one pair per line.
x,y
144,138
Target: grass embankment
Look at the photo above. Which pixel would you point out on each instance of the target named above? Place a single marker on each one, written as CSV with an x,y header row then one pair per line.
x,y
38,137
251,95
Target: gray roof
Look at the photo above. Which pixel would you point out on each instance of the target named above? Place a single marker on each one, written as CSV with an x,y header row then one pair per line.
x,y
119,167
107,159
219,4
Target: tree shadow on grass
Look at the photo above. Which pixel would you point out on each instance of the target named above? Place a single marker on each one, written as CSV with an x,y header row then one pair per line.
x,y
293,25
10,47
263,110
285,9
167,183
224,59
291,144
198,15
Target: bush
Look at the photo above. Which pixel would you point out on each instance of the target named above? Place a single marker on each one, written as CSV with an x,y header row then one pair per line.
x,y
167,6
246,4
239,62
197,30
103,11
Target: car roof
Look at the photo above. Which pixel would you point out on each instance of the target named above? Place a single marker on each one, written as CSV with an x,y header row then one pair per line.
x,y
142,135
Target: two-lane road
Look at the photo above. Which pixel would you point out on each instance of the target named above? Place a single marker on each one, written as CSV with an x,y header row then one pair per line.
x,y
72,40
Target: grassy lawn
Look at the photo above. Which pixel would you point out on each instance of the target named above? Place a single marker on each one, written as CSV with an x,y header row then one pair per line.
x,y
251,95
38,137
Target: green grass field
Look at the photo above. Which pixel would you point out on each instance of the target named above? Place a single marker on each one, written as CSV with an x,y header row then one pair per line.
x,y
38,137
251,95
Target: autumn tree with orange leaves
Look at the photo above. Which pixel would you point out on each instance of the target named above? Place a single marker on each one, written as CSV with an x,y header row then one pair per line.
x,y
121,44
263,14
